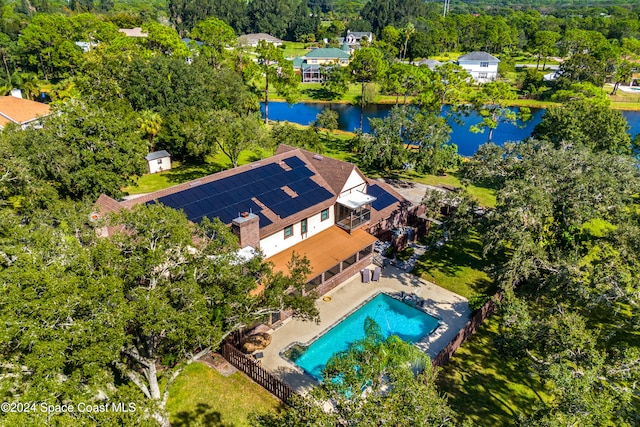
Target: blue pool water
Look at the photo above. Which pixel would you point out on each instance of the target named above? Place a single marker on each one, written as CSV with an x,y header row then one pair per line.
x,y
394,318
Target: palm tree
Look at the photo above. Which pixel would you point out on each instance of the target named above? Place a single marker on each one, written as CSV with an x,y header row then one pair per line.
x,y
28,83
150,123
623,74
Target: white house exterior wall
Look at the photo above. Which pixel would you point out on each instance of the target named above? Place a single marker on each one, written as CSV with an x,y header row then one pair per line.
x,y
476,71
276,242
354,182
159,165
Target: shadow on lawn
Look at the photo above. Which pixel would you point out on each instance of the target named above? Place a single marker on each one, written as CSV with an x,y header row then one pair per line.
x,y
450,261
188,173
203,415
318,94
487,387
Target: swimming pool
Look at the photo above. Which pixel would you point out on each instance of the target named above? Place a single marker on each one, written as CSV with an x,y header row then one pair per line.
x,y
393,316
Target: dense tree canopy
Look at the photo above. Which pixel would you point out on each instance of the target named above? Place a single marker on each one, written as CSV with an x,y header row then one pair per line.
x,y
83,150
99,320
581,122
566,222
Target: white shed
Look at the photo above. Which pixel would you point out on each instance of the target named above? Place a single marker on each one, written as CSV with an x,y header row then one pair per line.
x,y
159,161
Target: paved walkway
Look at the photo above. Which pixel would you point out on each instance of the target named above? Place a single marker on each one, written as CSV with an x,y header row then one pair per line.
x,y
452,310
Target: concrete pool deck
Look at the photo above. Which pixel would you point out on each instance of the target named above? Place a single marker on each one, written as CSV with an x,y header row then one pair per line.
x,y
451,309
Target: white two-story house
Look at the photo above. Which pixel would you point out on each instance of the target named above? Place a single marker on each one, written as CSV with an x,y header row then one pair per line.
x,y
295,201
482,66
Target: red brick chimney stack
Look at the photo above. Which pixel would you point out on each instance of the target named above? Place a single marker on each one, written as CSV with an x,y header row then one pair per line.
x,y
247,228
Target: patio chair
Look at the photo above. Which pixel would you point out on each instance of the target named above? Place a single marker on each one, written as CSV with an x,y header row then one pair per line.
x,y
376,274
366,275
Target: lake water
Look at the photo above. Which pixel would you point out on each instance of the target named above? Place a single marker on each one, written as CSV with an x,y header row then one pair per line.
x,y
468,142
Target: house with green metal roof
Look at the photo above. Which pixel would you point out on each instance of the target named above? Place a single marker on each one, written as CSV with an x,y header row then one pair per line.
x,y
310,65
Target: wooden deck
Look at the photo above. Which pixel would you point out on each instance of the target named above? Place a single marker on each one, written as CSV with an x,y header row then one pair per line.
x,y
325,249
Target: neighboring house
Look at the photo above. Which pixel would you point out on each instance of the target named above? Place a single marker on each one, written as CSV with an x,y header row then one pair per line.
x,y
158,161
295,201
254,38
310,65
21,111
430,63
353,39
482,66
133,32
86,46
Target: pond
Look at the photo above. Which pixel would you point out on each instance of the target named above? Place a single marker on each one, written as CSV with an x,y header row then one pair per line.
x,y
468,142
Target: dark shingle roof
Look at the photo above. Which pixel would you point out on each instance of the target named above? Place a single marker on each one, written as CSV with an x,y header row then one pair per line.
x,y
478,56
157,155
282,190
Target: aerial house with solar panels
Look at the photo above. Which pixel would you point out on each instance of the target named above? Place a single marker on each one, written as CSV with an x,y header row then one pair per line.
x,y
322,208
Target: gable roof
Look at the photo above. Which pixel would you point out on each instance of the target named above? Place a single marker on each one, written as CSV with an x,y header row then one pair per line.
x,y
335,172
478,56
431,63
327,52
157,155
256,37
281,190
21,111
359,34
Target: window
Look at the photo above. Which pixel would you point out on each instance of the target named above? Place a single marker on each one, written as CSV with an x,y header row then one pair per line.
x,y
349,261
303,226
331,272
363,253
324,214
484,65
288,231
159,161
482,75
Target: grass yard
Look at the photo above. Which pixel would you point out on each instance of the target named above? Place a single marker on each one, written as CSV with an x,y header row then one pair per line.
x,y
336,146
458,269
485,388
187,172
313,92
201,396
484,196
293,49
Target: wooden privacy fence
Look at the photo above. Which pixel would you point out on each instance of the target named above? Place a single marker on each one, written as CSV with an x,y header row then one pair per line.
x,y
478,319
257,373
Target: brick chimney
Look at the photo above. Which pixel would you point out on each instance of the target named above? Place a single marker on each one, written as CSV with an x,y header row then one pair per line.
x,y
247,228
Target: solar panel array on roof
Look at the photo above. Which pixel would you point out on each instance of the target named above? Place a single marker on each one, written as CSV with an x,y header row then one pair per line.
x,y
383,199
226,198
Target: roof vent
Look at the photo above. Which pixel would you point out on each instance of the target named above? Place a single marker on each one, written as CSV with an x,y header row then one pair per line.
x,y
317,156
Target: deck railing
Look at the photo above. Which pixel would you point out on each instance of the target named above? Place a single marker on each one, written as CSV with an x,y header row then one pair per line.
x,y
257,373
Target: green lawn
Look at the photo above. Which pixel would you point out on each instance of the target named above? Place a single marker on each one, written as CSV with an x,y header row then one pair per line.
x,y
482,387
483,195
182,173
201,396
459,269
336,146
293,49
485,388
